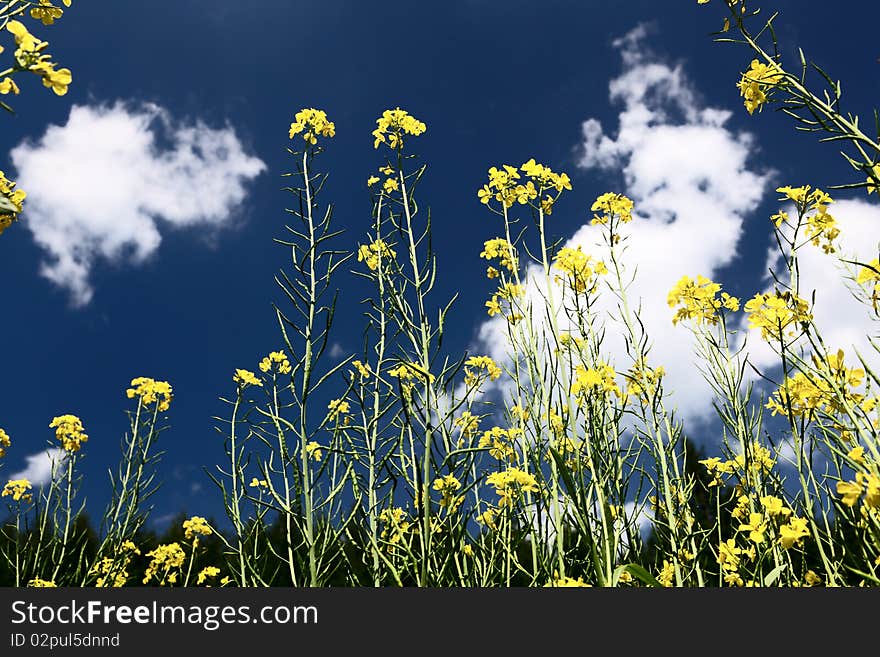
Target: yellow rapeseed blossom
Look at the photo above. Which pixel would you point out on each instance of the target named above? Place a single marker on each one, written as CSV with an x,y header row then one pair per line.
x,y
14,197
813,207
478,367
873,178
151,391
165,561
778,314
393,124
775,507
793,533
312,124
502,250
566,582
38,583
448,486
18,489
756,526
642,380
812,579
278,360
868,273
362,369
30,56
69,431
595,379
374,253
511,484
407,373
501,442
395,525
581,270
246,378
667,574
258,483
468,424
314,450
338,408
4,442
196,526
113,573
207,573
611,205
697,300
756,82
803,394
47,13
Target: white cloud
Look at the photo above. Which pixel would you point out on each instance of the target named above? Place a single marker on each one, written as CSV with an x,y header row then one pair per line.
x,y
41,466
99,185
693,187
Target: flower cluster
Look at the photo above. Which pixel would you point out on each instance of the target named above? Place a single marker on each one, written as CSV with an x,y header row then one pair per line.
x,y
277,360
594,379
113,572
756,82
866,487
195,527
314,450
869,273
69,431
11,199
338,410
473,367
150,391
447,486
29,57
19,489
395,525
4,443
502,250
642,380
511,484
500,442
207,572
38,583
374,253
581,271
393,124
360,369
312,124
778,314
406,373
505,188
804,394
698,300
508,292
165,561
246,378
820,225
468,424
610,206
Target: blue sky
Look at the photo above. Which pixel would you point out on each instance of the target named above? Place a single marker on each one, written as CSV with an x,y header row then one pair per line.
x,y
186,297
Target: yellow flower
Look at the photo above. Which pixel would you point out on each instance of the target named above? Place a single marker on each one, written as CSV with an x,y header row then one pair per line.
x,y
362,369
46,12
372,180
196,526
872,179
276,358
667,574
775,507
755,526
36,582
580,269
468,423
314,450
500,442
611,205
792,533
258,483
164,562
338,409
472,378
698,301
311,123
207,572
566,582
756,82
595,379
393,124
511,484
4,442
812,579
246,378
777,314
447,487
501,249
374,253
69,431
151,391
18,489
8,85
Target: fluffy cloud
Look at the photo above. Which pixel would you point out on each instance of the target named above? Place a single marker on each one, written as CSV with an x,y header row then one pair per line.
x,y
693,188
41,466
100,186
